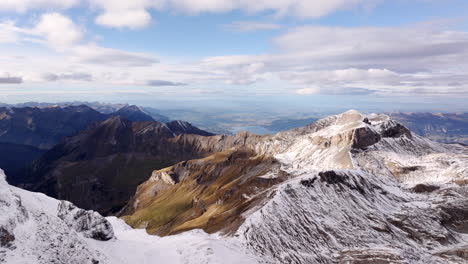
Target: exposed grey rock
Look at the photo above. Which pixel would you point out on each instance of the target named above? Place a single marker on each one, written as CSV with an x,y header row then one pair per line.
x,y
364,137
394,129
91,224
331,177
6,237
425,188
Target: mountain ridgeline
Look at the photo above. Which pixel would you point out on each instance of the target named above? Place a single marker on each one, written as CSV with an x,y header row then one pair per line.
x,y
100,167
45,127
26,132
348,188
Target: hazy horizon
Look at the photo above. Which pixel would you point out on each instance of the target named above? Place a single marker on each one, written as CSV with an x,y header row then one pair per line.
x,y
293,56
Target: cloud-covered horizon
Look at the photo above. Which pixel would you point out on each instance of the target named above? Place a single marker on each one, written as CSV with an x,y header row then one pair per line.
x,y
304,57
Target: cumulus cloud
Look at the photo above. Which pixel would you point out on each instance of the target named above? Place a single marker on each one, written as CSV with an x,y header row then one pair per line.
x,y
133,19
163,83
357,59
52,29
134,14
8,32
249,26
24,5
58,30
408,49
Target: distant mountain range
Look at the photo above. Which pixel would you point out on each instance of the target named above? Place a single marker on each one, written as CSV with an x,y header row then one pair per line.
x,y
28,132
441,127
44,127
104,108
108,161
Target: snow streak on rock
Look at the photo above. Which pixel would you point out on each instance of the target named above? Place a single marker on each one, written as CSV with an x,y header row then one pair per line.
x,y
366,190
38,229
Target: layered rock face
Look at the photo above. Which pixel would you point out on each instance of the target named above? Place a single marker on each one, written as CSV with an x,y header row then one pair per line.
x,y
346,189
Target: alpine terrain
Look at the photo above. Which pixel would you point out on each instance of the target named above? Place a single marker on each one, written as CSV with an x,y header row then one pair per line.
x,y
349,188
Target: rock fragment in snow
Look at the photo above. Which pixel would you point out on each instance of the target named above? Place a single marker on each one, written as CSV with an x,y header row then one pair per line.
x,y
91,224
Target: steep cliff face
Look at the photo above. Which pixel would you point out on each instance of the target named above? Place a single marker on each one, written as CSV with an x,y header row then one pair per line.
x,y
348,188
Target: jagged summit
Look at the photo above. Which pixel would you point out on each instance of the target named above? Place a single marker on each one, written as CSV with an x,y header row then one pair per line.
x,y
134,113
101,167
349,188
182,127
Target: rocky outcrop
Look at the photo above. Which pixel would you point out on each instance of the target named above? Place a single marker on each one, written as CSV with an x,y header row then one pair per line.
x,y
91,224
31,232
210,193
340,190
364,137
12,213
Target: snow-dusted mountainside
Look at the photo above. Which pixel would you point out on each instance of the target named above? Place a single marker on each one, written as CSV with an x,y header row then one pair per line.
x,y
364,189
38,229
349,188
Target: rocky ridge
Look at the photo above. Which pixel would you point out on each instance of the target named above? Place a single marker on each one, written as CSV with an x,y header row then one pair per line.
x,y
349,188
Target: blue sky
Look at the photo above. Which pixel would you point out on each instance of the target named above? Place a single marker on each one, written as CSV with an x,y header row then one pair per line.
x,y
391,55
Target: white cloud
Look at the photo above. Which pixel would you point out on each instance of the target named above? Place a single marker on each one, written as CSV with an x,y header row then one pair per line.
x,y
8,33
133,19
308,90
249,26
138,10
299,8
135,13
58,30
343,77
408,59
409,49
24,5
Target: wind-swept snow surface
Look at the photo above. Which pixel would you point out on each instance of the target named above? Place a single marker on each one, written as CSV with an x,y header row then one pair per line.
x,y
32,231
364,190
136,246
